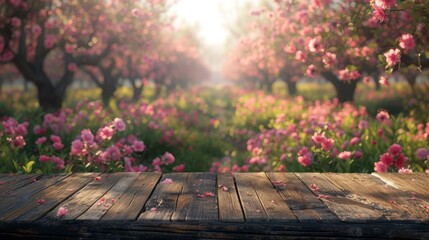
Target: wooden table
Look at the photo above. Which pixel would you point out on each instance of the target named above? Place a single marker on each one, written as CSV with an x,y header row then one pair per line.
x,y
209,205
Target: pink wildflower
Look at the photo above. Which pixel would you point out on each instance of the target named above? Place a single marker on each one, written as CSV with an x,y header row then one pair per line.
x,y
354,141
306,160
119,124
395,149
58,146
19,142
358,154
318,138
105,133
44,158
138,146
345,155
387,159
114,153
400,161
87,136
76,147
328,144
382,116
55,139
38,130
422,153
179,168
41,140
168,158
380,167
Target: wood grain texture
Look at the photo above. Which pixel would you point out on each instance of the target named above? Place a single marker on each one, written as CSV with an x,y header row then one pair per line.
x,y
31,210
304,203
21,195
229,204
413,183
131,203
162,204
342,204
195,203
364,188
316,206
82,200
10,183
273,204
98,209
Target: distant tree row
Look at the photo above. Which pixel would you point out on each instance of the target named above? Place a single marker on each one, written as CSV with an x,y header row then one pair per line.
x,y
343,42
49,41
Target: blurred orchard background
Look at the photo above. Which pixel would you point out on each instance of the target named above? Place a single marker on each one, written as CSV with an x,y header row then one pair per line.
x,y
215,85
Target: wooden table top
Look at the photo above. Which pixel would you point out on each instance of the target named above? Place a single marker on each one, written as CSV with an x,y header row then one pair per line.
x,y
210,205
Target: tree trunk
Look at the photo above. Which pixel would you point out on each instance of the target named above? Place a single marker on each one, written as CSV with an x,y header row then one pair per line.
x,y
377,85
411,78
49,99
25,85
107,93
137,93
345,90
291,88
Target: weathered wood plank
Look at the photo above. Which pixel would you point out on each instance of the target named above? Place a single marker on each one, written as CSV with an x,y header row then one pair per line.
x,y
12,182
345,207
392,203
21,195
195,203
413,183
130,204
304,204
162,204
97,210
82,200
229,205
31,210
273,204
252,207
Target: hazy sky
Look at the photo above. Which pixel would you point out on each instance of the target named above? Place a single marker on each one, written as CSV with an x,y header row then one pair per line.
x,y
209,15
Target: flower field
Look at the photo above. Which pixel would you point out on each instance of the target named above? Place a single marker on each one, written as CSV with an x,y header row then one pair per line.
x,y
218,129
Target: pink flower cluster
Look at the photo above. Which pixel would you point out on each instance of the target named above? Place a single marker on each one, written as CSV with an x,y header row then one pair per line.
x,y
347,75
59,163
393,57
380,7
14,132
393,156
98,149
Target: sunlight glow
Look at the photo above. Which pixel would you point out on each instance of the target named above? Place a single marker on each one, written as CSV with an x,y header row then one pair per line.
x,y
209,17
